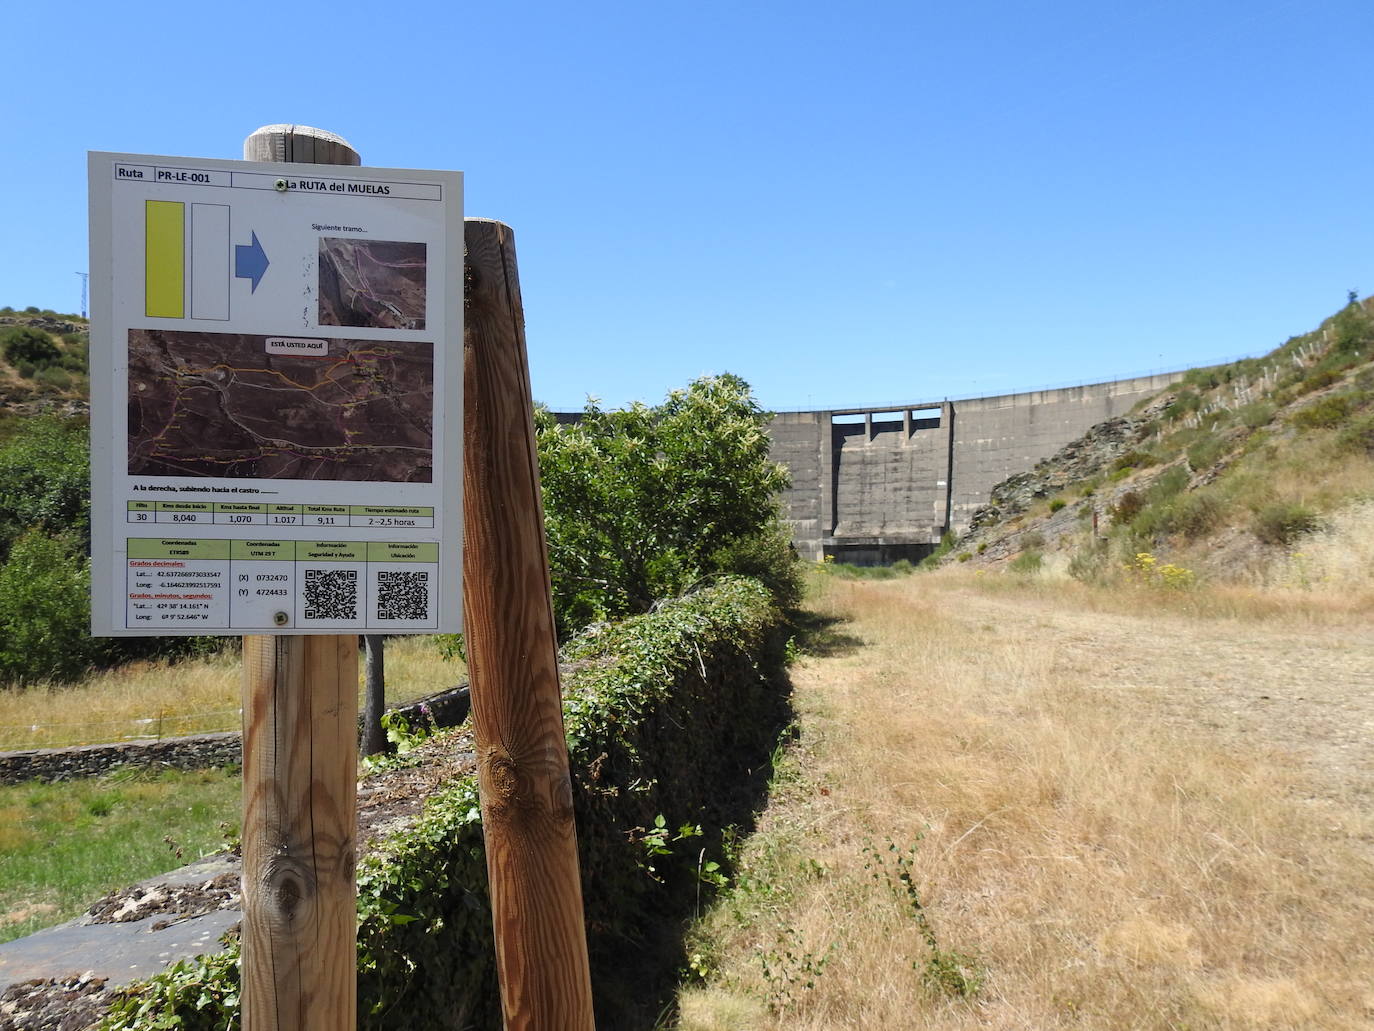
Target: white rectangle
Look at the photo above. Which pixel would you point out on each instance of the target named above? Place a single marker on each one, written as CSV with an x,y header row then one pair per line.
x,y
301,346
292,392
210,262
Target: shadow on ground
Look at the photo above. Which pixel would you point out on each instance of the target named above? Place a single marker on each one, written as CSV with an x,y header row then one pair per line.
x,y
822,636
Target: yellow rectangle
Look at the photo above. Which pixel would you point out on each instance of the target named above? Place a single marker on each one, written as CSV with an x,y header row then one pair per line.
x,y
164,286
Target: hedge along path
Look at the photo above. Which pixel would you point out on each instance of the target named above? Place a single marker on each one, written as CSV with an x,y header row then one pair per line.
x,y
646,699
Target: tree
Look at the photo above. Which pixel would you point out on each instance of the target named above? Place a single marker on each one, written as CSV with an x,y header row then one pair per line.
x,y
45,481
44,611
25,344
374,696
643,502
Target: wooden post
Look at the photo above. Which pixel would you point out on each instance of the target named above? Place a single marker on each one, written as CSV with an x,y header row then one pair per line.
x,y
300,770
527,814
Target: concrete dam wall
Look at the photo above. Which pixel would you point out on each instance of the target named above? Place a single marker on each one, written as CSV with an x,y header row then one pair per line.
x,y
873,485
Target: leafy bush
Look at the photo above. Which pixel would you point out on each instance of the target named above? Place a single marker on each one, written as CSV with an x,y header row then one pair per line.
x,y
1089,563
649,698
1057,504
1134,460
1184,401
1326,414
1256,414
1283,522
45,481
55,378
26,344
946,545
1357,435
1352,330
1127,507
44,611
1196,515
1317,380
644,502
1205,452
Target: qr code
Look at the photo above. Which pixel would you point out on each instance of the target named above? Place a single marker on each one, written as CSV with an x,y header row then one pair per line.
x,y
331,594
402,595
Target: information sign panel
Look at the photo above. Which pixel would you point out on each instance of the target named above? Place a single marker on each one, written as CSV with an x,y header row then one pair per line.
x,y
276,407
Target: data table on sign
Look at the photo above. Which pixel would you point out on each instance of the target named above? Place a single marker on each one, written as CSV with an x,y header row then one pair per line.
x,y
240,586
233,513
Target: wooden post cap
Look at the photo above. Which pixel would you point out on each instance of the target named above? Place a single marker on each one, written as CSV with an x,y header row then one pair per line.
x,y
303,143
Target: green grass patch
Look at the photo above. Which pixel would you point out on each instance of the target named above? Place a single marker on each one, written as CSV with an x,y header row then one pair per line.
x,y
62,846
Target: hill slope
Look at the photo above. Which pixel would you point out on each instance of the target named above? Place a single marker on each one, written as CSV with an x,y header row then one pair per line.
x,y
1257,471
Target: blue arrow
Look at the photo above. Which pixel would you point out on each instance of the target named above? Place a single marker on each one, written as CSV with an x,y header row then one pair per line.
x,y
250,262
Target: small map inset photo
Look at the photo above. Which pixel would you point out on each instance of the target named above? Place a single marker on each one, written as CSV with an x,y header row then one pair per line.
x,y
240,406
376,283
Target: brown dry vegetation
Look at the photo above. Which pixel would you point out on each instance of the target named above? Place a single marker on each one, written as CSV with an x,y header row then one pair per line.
x,y
1122,809
151,699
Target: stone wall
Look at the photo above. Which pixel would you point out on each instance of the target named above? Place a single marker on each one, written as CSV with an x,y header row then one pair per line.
x,y
447,709
182,753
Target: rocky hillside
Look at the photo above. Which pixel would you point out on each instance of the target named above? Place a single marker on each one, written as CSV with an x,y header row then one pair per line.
x,y
1239,472
43,362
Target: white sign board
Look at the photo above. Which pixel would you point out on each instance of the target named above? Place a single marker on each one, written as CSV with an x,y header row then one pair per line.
x,y
276,397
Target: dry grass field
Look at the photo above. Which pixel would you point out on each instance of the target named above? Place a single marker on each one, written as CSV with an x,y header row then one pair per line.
x,y
1034,804
160,699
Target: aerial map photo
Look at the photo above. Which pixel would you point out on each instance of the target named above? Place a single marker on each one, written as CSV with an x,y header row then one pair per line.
x,y
376,283
235,405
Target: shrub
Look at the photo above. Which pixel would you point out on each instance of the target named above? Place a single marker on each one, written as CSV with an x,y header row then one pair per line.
x,y
1184,401
1127,507
1352,330
1032,540
964,556
1256,414
1316,380
644,502
45,481
25,369
1357,435
1195,515
1146,570
44,611
54,378
1206,452
1325,414
1167,484
1134,460
1089,563
648,699
26,344
1027,562
1283,522
1057,504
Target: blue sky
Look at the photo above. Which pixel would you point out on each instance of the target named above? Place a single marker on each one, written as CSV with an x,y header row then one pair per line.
x,y
845,204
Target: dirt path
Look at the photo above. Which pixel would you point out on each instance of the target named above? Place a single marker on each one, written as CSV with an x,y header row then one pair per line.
x,y
1303,690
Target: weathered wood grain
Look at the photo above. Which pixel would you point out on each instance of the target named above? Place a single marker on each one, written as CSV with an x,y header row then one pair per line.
x,y
531,845
300,769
